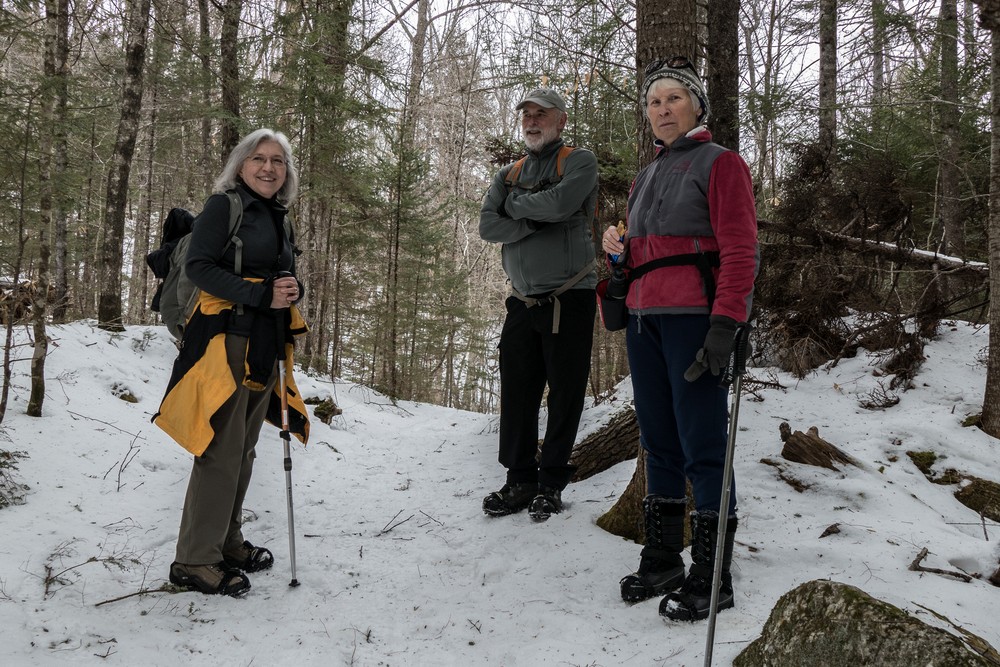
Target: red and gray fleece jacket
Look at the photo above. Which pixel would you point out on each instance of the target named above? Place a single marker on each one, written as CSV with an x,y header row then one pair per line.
x,y
695,196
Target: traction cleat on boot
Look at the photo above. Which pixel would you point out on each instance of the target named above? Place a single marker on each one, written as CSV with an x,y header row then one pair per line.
x,y
213,579
694,600
546,503
512,498
654,577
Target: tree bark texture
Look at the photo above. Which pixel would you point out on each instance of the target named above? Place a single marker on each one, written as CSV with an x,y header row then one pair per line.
x,y
663,29
723,72
828,77
229,76
949,113
60,80
54,16
991,398
615,442
810,449
109,312
625,517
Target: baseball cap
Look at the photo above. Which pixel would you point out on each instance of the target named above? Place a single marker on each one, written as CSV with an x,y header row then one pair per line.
x,y
545,97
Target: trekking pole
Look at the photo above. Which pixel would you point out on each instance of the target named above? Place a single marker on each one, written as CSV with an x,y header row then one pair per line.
x,y
286,442
733,375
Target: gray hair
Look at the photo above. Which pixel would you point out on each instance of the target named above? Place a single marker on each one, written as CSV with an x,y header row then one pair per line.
x,y
289,191
699,101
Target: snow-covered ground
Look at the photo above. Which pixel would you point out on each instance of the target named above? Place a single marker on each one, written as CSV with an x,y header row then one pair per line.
x,y
399,566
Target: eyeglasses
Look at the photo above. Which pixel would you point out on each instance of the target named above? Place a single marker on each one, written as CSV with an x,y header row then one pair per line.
x,y
261,160
674,62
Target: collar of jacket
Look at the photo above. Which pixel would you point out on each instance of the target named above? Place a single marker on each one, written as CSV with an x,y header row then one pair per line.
x,y
247,196
699,135
548,149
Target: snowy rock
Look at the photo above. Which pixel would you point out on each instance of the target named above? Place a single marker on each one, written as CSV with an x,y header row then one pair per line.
x,y
832,624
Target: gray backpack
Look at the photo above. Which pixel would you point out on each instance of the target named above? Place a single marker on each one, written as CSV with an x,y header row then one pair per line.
x,y
177,294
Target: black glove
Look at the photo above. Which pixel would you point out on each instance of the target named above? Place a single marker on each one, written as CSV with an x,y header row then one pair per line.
x,y
714,354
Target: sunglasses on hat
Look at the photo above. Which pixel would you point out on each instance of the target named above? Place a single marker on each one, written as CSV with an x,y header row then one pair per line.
x,y
674,62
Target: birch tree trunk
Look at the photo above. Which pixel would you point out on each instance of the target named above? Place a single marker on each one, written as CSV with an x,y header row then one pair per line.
x,y
109,309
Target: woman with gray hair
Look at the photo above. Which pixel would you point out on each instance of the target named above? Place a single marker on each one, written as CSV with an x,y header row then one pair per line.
x,y
690,253
222,385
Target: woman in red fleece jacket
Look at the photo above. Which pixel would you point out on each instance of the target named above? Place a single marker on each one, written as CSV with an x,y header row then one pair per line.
x,y
694,203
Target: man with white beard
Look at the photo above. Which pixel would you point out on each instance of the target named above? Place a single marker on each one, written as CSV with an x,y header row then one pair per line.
x,y
541,208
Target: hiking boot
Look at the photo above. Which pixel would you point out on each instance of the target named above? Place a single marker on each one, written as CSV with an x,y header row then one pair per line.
x,y
213,579
546,503
693,601
248,558
512,498
661,568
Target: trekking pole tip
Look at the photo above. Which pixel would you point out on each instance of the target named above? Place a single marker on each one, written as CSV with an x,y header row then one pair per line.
x,y
293,583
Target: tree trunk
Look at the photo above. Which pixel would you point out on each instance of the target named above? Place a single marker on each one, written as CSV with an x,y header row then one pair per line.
x,y
949,113
615,442
208,165
109,312
723,76
878,58
991,399
663,29
229,76
54,10
828,78
625,517
61,155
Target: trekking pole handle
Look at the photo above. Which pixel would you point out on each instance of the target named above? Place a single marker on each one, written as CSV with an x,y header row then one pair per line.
x,y
738,357
741,348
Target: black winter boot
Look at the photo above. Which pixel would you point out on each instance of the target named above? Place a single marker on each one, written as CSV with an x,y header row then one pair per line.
x,y
661,568
693,601
546,503
512,498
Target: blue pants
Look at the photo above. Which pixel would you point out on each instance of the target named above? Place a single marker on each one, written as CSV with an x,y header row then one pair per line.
x,y
683,425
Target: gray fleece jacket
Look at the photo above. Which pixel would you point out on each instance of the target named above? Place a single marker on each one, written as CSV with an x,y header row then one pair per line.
x,y
545,231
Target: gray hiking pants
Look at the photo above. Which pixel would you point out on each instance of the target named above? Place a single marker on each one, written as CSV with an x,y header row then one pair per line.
x,y
213,506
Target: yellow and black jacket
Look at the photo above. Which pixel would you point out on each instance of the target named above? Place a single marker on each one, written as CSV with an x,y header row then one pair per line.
x,y
201,381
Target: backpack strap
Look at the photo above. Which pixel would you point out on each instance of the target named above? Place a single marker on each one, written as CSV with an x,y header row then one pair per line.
x,y
553,297
235,220
704,261
511,180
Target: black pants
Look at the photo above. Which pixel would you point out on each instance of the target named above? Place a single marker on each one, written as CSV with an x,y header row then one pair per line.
x,y
531,356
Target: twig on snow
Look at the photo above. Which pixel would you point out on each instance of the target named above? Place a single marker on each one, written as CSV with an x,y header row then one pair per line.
x,y
917,567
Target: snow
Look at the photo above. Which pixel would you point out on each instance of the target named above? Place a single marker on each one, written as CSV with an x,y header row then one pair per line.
x,y
399,566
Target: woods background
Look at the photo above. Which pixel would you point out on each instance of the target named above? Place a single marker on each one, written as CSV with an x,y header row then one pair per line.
x,y
868,127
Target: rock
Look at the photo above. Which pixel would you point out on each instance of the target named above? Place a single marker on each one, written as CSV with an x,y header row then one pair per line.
x,y
832,624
